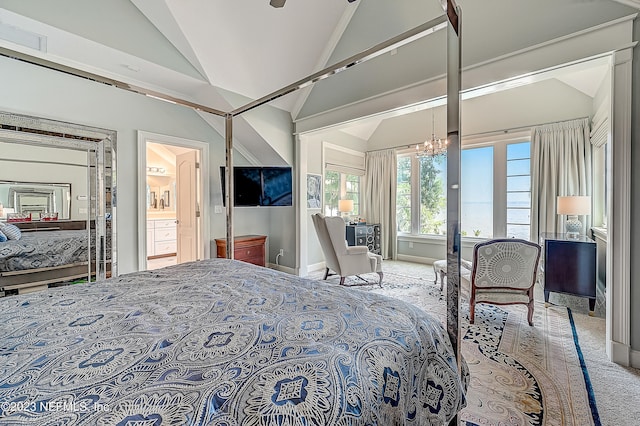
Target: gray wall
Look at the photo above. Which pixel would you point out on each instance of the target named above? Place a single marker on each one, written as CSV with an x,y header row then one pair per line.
x,y
314,161
36,91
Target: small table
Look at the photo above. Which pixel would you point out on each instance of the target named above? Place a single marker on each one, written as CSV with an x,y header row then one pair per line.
x,y
364,235
569,266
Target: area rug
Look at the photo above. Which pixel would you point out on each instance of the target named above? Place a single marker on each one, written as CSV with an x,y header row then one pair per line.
x,y
520,375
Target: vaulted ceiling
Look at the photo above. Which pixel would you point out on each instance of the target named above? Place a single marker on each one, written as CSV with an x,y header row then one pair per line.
x,y
225,53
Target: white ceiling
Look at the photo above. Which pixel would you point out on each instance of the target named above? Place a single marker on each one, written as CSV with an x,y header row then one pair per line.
x,y
191,49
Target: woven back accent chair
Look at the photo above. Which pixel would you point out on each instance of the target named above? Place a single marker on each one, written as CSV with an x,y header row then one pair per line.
x,y
504,273
344,260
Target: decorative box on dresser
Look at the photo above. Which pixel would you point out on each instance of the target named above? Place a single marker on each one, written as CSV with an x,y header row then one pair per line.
x,y
247,248
569,266
364,235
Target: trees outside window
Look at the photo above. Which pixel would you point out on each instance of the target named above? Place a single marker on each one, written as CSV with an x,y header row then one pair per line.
x,y
403,194
433,199
420,194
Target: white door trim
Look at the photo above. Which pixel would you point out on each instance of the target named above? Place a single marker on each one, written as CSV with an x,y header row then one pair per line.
x,y
618,295
203,147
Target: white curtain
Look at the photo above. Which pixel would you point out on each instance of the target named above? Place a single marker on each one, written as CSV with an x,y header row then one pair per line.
x,y
378,198
561,166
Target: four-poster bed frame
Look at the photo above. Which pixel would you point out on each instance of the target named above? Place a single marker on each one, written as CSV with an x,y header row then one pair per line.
x,y
452,17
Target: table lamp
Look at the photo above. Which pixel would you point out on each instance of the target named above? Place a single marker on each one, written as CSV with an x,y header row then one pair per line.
x,y
573,206
345,207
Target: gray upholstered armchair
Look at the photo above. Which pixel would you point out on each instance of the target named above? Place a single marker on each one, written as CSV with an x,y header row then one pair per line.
x,y
344,260
504,273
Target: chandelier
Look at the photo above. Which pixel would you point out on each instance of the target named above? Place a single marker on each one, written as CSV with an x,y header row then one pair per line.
x,y
432,148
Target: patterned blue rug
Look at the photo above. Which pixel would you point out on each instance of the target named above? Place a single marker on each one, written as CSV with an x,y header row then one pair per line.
x,y
520,375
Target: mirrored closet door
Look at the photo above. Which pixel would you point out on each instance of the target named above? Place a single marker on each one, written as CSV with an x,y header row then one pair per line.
x,y
57,186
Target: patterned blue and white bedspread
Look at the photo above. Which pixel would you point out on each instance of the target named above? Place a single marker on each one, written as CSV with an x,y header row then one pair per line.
x,y
43,249
221,342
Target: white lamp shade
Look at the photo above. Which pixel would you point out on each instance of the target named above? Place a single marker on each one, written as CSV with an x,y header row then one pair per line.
x,y
574,205
345,205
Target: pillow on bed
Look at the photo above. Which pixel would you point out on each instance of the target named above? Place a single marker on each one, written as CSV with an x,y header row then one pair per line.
x,y
3,237
12,232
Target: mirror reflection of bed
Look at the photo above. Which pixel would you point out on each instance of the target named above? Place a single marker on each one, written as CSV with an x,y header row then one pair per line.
x,y
56,190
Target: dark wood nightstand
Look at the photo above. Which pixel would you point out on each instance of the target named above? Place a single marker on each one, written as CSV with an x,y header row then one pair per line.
x,y
569,266
247,248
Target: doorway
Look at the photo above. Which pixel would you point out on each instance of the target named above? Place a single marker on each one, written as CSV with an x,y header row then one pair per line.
x,y
172,213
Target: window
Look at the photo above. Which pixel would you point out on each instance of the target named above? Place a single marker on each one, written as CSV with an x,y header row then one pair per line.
x,y
495,197
476,195
403,194
352,192
339,186
331,193
421,199
519,190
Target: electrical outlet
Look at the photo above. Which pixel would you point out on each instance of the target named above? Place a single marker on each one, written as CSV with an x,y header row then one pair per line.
x,y
217,209
281,252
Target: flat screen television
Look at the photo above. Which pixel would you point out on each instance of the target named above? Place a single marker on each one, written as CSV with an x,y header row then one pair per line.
x,y
260,186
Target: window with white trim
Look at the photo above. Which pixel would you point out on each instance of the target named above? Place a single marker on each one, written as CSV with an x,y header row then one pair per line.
x,y
343,168
519,190
495,178
476,194
339,186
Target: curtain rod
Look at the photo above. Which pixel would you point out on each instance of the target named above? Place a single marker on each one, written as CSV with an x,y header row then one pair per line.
x,y
513,129
392,147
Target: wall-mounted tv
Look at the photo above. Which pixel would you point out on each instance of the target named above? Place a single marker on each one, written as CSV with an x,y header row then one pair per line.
x,y
260,186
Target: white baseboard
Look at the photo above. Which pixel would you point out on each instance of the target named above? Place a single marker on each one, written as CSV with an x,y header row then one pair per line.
x,y
620,353
635,359
281,268
416,259
315,267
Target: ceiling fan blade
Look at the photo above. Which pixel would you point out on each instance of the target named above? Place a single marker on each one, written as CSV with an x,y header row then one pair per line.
x,y
280,3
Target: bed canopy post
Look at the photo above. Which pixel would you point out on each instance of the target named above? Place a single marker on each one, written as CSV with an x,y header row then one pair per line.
x,y
453,181
228,182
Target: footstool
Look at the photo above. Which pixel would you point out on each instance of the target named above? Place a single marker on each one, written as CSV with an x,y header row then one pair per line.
x,y
440,269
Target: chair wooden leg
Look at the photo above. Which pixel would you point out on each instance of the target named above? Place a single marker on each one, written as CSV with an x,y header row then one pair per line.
x,y
530,307
381,276
530,312
472,312
326,274
530,315
342,280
